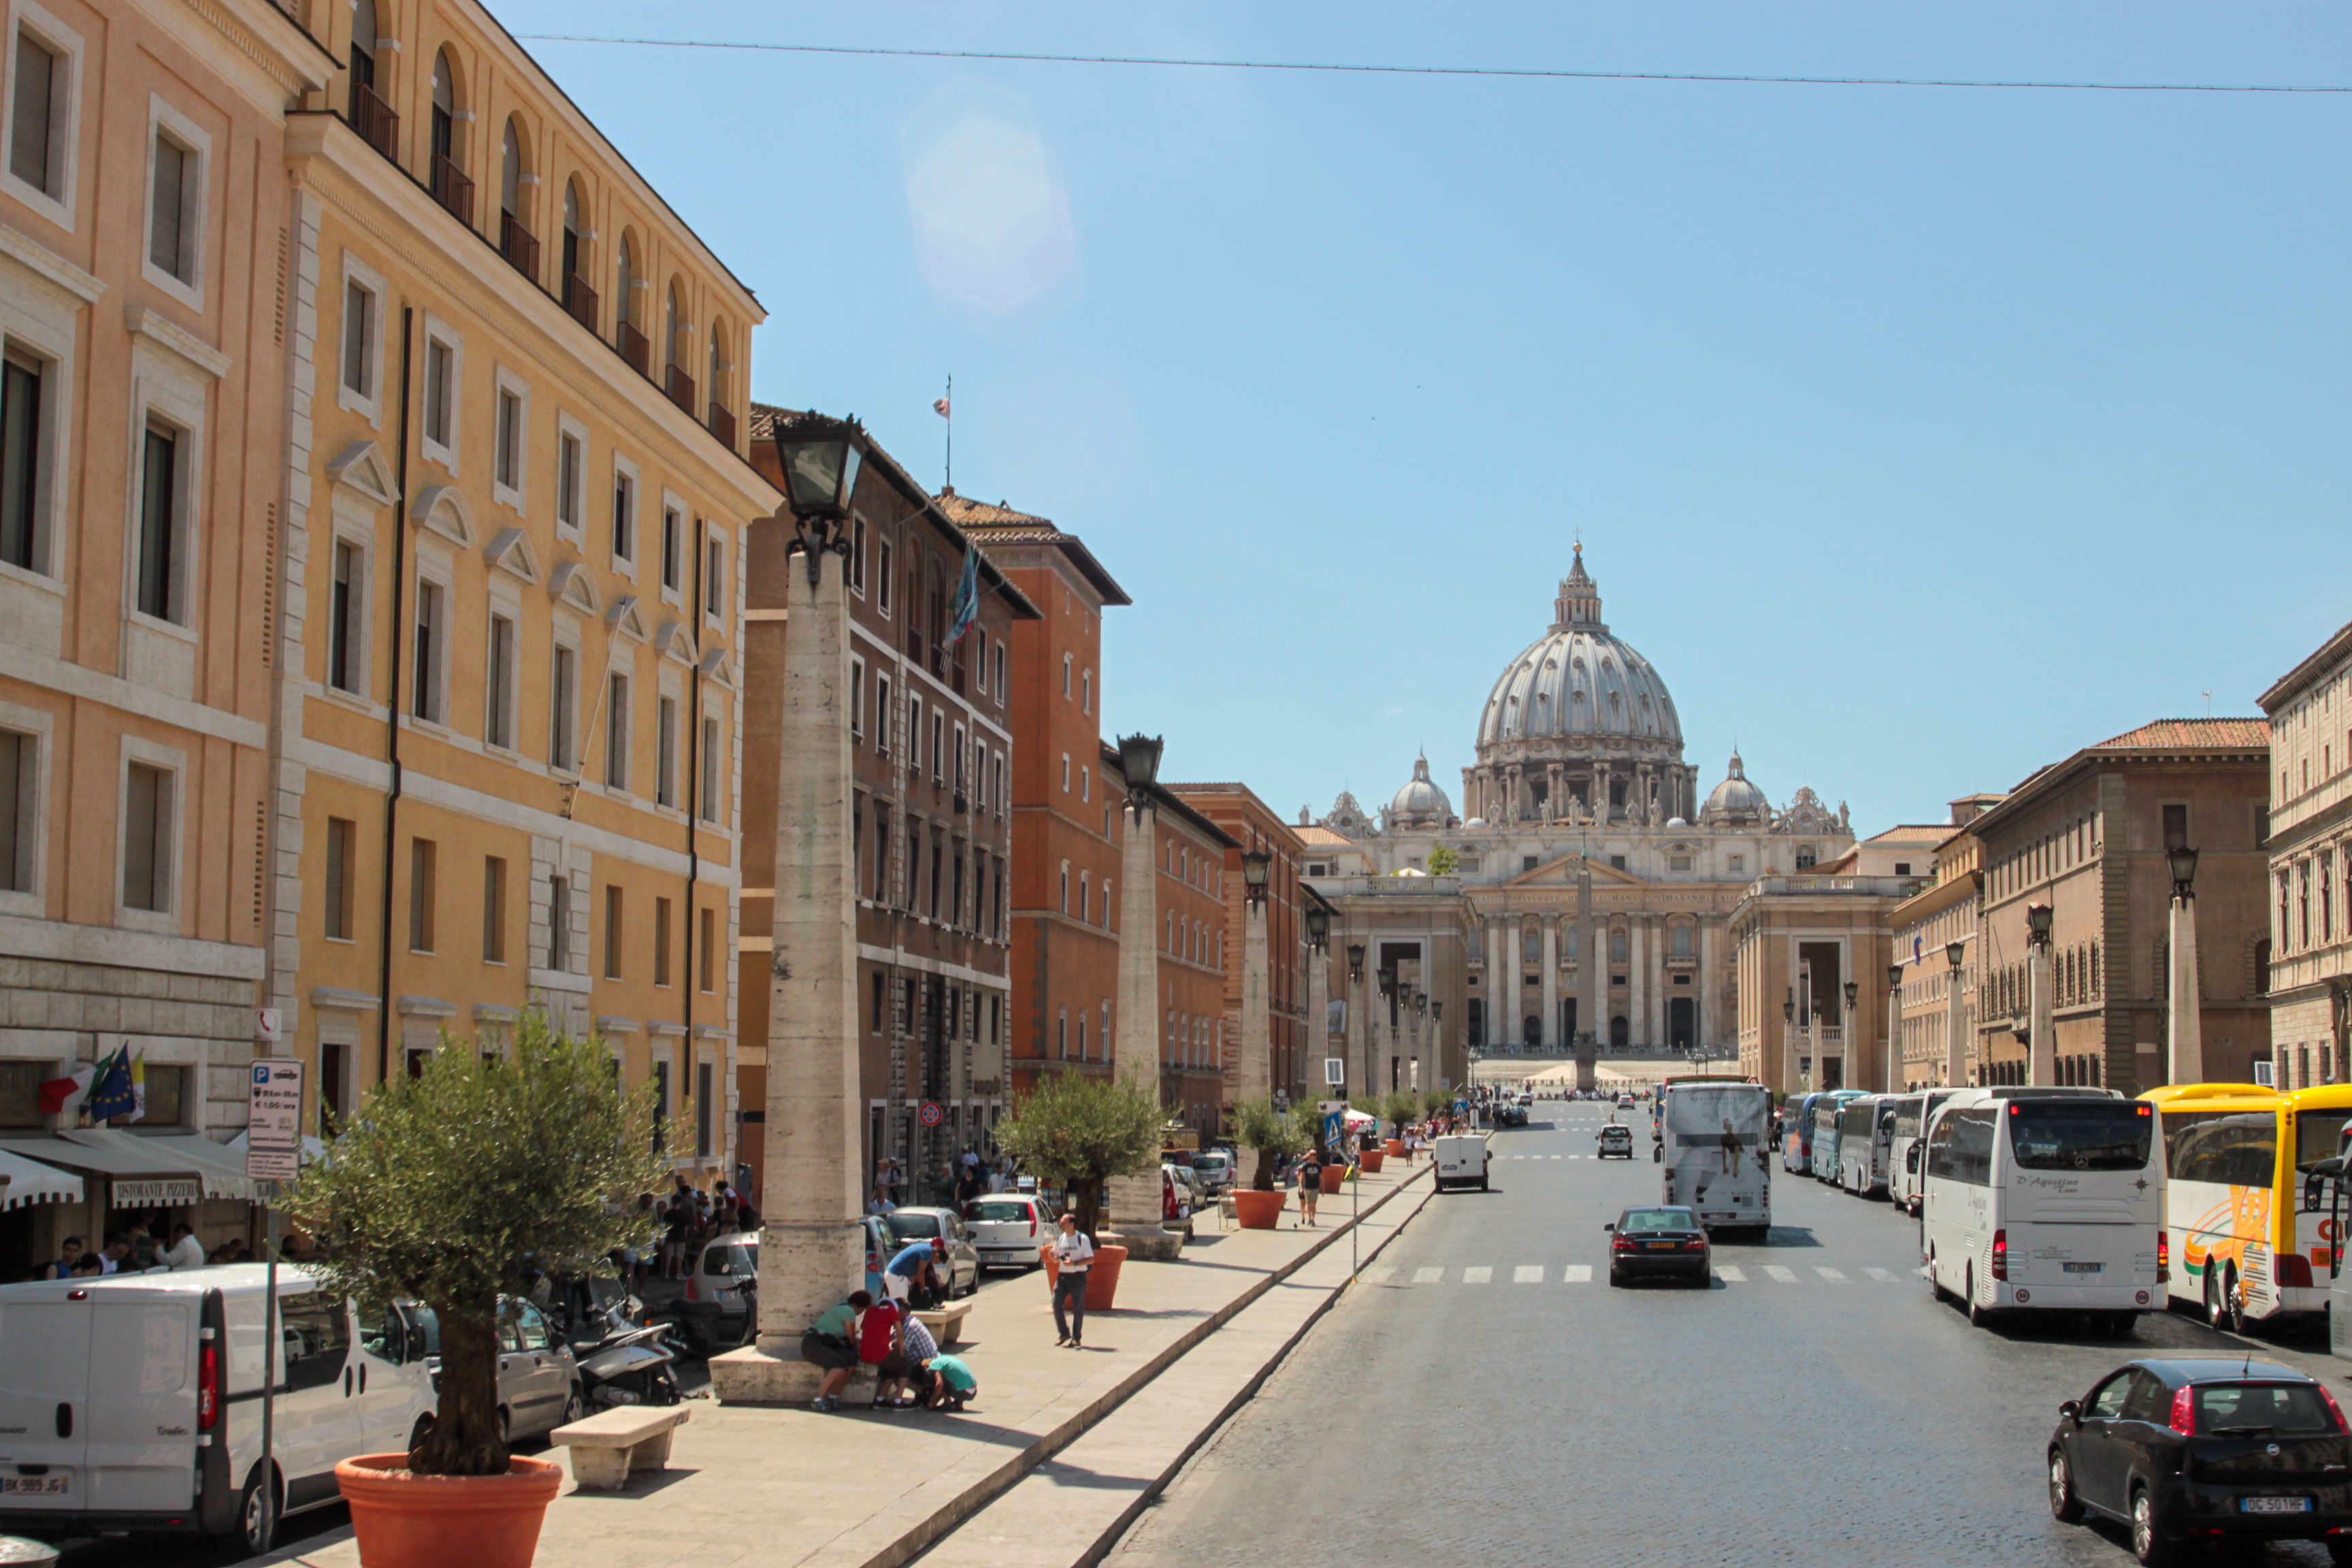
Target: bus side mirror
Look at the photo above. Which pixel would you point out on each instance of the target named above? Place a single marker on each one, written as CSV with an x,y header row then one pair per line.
x,y
2314,1191
1911,1158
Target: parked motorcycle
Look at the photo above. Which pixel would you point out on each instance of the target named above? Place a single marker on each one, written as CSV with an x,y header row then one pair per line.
x,y
631,1364
705,1329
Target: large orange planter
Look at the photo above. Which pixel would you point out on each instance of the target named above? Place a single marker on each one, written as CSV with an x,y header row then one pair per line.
x,y
408,1521
1372,1160
1102,1278
1332,1176
1396,1147
1257,1210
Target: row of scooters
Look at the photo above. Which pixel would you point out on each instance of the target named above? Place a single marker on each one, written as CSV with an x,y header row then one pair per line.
x,y
626,1352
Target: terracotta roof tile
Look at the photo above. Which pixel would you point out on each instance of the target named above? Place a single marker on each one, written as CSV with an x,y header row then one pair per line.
x,y
2172,734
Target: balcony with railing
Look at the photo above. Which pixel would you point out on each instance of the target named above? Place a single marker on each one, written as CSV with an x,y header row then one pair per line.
x,y
453,190
637,348
373,119
722,425
580,300
519,246
681,390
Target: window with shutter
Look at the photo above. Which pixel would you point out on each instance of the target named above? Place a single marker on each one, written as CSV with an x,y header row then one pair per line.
x,y
499,700
158,524
147,839
168,229
343,608
22,540
359,338
341,838
19,787
31,157
711,770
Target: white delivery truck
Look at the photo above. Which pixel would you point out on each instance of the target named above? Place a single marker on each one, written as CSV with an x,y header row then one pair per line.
x,y
132,1402
1461,1161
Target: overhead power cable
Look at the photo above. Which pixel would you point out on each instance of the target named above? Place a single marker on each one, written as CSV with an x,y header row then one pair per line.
x,y
1525,73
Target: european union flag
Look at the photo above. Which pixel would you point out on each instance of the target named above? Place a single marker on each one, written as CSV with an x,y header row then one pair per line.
x,y
113,1095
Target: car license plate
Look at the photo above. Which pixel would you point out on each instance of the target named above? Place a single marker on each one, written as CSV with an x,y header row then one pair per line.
x,y
2274,1504
36,1485
1660,1246
2084,1268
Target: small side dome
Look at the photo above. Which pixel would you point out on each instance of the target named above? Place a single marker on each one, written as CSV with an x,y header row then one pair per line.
x,y
1735,799
1677,822
1419,804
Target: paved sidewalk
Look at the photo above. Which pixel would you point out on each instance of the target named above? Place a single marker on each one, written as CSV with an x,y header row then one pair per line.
x,y
870,1488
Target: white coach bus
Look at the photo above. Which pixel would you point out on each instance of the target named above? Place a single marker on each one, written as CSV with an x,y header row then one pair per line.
x,y
2046,1200
1864,1126
1907,1146
1716,1145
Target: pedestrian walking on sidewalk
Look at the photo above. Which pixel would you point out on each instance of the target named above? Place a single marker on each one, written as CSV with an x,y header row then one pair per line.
x,y
1073,1255
1310,1186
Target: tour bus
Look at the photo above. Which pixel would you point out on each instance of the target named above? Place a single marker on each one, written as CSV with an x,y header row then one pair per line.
x,y
1797,1131
1823,1149
1864,1126
2248,1226
1716,1150
2045,1199
1905,1145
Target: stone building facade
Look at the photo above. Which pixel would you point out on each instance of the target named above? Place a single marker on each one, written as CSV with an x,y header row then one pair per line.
x,y
2310,849
1248,824
1924,927
931,767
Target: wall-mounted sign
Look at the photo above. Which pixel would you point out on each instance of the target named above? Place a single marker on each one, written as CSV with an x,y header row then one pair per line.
x,y
156,1192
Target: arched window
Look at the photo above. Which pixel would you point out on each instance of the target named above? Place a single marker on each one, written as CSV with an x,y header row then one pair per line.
x,y
677,347
670,328
447,181
516,242
714,386
578,296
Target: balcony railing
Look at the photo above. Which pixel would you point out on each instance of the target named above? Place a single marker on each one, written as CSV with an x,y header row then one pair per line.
x,y
722,425
637,348
681,389
517,244
453,190
580,300
372,118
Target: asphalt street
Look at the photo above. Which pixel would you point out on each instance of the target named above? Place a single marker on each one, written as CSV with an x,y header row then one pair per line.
x,y
1485,1397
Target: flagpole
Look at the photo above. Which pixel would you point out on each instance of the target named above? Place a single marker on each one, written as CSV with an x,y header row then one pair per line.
x,y
950,401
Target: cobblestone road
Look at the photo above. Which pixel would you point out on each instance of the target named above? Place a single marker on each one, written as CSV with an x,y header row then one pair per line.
x,y
1489,1400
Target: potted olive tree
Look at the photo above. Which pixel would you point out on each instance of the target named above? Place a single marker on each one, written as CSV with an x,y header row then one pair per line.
x,y
1400,1110
439,1187
1275,1134
1372,1152
1080,1133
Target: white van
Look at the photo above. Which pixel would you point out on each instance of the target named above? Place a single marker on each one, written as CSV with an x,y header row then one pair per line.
x,y
133,1401
1461,1161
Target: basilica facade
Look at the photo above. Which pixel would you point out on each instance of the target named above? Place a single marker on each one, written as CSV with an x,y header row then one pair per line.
x,y
1586,893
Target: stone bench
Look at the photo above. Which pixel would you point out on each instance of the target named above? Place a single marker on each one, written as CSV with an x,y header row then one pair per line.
x,y
611,1445
946,1324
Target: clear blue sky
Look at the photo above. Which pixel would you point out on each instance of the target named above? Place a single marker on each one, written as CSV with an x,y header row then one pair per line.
x,y
1918,436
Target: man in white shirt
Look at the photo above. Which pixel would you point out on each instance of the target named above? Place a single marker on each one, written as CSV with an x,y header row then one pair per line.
x,y
1073,1255
185,1251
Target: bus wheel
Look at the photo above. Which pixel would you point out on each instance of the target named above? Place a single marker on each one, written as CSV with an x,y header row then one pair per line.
x,y
1978,1316
2223,1310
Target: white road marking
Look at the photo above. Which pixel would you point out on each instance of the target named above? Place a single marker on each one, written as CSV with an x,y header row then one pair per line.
x,y
1427,1276
1779,1275
1528,1274
1831,1275
1579,1274
1381,1274
1883,1276
1477,1276
1733,1273
1555,1156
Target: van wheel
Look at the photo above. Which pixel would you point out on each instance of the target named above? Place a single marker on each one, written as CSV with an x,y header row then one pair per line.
x,y
258,1534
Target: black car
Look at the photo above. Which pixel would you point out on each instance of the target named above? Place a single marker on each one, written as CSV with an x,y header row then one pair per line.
x,y
2186,1451
1659,1241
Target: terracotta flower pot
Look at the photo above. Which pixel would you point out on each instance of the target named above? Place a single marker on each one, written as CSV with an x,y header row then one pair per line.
x,y
1332,1176
407,1521
1256,1210
1396,1147
1102,1277
1372,1159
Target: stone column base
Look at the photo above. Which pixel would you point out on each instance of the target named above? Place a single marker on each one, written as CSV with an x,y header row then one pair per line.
x,y
1151,1244
764,1374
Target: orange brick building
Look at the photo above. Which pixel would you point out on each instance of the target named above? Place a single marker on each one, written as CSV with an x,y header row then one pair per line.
x,y
1196,1039
1250,823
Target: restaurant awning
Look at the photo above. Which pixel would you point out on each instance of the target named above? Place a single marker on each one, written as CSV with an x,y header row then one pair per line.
x,y
31,1181
170,1172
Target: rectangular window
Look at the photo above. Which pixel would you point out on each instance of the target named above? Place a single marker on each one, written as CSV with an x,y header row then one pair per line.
x,y
2176,826
709,802
19,785
624,517
33,153
666,752
882,712
22,540
661,1108
559,923
661,941
714,576
938,732
359,338
881,854
147,839
507,452
999,674
334,1088
561,691
857,697
616,733
342,611
440,390
159,525
672,527
707,952
915,734
342,889
425,699
702,1145
857,556
424,892
172,226
882,574
494,909
568,458
612,932
499,701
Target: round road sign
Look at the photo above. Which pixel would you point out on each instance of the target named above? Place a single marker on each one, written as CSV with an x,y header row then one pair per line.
x,y
931,1115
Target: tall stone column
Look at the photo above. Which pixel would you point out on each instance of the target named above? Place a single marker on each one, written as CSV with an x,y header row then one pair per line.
x,y
1589,963
2042,1041
1551,1040
1318,1027
1956,1026
1507,1001
1133,1213
1254,1073
2183,1010
813,1211
1361,1079
1637,977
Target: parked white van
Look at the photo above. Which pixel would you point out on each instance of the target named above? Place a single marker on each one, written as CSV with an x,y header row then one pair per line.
x,y
1461,1161
133,1401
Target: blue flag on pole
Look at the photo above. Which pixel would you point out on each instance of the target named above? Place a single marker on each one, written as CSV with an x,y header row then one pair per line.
x,y
965,608
111,1094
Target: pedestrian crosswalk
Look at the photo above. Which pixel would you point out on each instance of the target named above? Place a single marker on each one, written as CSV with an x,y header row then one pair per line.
x,y
1582,1273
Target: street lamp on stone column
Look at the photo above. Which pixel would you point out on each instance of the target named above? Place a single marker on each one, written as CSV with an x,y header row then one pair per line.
x,y
1360,1076
1254,1077
1846,1037
1803,1064
1420,1032
1894,1022
1134,1211
1317,920
2184,1019
2041,1031
1955,1055
812,1195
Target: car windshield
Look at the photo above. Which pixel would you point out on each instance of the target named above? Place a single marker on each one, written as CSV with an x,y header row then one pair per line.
x,y
2081,1134
906,1226
999,1209
736,1261
1658,1219
2279,1409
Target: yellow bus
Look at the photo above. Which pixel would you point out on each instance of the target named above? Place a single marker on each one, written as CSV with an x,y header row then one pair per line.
x,y
2245,1225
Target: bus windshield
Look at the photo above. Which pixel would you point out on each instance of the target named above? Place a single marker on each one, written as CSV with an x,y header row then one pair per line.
x,y
2315,1133
2080,1134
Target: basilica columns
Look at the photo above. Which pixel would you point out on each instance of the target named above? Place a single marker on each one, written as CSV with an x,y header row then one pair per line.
x,y
1637,978
1506,1000
1551,1039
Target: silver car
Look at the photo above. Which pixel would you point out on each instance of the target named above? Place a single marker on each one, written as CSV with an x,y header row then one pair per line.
x,y
912,1225
538,1384
1007,1229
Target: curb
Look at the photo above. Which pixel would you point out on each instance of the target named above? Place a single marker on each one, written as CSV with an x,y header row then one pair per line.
x,y
978,1494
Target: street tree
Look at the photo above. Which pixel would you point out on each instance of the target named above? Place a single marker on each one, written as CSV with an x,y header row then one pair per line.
x,y
1275,1134
1082,1132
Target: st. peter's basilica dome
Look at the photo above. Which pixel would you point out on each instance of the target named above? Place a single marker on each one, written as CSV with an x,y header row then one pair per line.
x,y
1577,680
